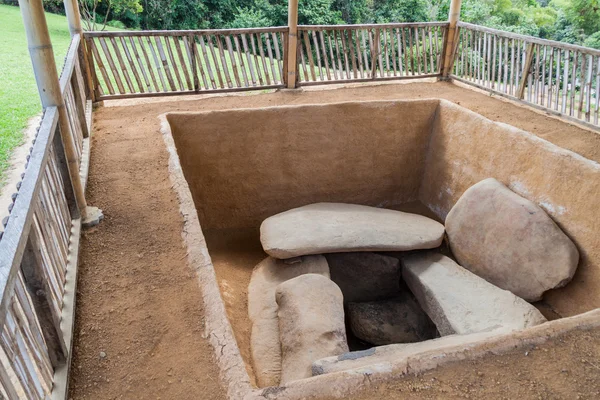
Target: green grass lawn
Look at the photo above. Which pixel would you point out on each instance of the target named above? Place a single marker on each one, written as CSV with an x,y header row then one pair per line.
x,y
19,100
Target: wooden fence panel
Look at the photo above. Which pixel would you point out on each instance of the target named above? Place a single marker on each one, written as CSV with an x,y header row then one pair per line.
x,y
557,77
186,61
347,53
36,248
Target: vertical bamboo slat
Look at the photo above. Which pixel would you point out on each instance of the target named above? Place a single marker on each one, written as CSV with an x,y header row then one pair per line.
x,y
132,65
122,64
148,64
324,51
111,64
232,62
183,61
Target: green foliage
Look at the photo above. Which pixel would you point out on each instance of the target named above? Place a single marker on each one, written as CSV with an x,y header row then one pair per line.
x,y
97,13
116,24
593,40
400,11
19,100
585,14
248,18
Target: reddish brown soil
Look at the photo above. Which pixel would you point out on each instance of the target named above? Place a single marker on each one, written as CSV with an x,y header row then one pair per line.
x,y
564,368
140,304
138,301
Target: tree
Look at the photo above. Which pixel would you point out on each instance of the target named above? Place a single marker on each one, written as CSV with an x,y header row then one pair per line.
x,y
586,15
250,18
400,11
593,40
95,13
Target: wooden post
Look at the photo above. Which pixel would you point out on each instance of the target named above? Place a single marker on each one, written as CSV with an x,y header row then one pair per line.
x,y
292,59
46,76
526,70
74,19
451,37
73,16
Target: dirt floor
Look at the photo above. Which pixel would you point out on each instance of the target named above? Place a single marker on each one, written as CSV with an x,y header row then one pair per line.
x,y
139,322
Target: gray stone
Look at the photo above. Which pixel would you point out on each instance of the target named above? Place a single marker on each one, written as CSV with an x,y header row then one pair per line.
x,y
336,227
394,353
398,320
311,324
265,348
365,276
458,301
510,241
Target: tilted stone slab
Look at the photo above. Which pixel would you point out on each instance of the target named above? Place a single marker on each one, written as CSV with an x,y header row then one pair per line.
x,y
365,276
262,310
458,301
393,353
337,227
311,324
510,241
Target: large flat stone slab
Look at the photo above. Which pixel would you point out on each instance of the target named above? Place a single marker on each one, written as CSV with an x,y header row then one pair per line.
x,y
458,301
311,324
397,320
510,241
365,276
394,352
336,227
262,310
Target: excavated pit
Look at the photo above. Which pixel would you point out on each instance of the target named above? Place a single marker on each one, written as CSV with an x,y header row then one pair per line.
x,y
243,166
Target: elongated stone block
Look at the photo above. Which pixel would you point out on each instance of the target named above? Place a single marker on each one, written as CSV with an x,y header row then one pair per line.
x,y
311,324
458,301
262,310
337,227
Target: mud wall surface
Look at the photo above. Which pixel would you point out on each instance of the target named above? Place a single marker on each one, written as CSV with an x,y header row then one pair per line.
x,y
466,148
243,166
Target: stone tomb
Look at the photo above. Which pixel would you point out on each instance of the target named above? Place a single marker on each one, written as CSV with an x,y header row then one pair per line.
x,y
244,166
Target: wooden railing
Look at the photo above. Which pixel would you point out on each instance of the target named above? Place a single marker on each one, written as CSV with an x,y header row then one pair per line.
x,y
553,76
157,63
38,252
355,53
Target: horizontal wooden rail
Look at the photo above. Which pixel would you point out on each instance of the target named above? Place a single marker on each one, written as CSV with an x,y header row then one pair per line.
x,y
556,77
236,31
38,250
373,26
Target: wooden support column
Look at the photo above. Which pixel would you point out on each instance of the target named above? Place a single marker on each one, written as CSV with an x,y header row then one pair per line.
x,y
46,76
74,19
292,45
73,16
451,37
